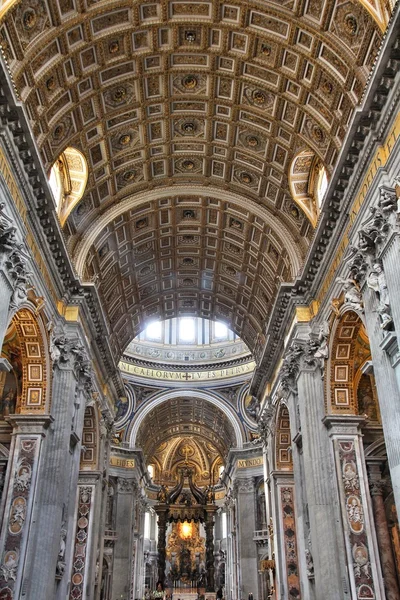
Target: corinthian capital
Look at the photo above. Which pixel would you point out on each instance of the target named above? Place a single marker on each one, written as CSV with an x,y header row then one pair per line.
x,y
70,353
8,240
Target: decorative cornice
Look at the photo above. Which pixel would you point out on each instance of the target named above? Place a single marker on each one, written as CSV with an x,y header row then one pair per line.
x,y
334,216
41,204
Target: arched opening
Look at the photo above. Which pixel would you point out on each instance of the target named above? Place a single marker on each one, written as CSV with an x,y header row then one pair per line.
x,y
229,432
308,179
67,179
25,388
351,386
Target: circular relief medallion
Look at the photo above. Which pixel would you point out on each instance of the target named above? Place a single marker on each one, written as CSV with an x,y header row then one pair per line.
x,y
113,47
29,19
129,175
77,579
83,522
125,139
119,94
351,24
190,82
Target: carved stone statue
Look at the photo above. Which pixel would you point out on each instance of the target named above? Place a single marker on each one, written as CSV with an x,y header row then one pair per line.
x,y
309,560
8,241
352,294
377,282
253,407
323,335
60,568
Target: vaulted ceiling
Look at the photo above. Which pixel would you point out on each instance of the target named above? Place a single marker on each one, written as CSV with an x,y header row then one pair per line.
x,y
183,418
198,106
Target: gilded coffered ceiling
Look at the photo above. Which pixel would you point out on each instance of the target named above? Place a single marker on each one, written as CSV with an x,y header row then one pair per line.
x,y
199,107
181,418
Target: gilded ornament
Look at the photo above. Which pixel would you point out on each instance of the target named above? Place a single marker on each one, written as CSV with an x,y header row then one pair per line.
x,y
113,47
29,19
190,36
246,178
318,134
189,127
125,139
59,132
129,175
327,87
119,94
259,97
51,83
190,82
266,49
252,141
188,165
351,24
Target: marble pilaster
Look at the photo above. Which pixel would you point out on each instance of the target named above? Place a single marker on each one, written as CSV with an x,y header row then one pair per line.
x,y
285,535
56,486
321,492
26,452
84,556
305,559
122,551
360,540
385,359
246,517
376,484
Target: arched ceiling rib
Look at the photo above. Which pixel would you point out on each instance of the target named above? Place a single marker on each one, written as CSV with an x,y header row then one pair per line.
x,y
185,417
190,256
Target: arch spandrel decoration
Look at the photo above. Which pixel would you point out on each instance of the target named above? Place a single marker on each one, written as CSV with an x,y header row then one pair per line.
x,y
90,452
283,440
36,372
349,351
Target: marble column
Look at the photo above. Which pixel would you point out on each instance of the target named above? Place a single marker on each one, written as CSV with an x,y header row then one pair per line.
x,y
162,513
384,344
82,574
23,483
382,531
122,551
209,526
327,545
